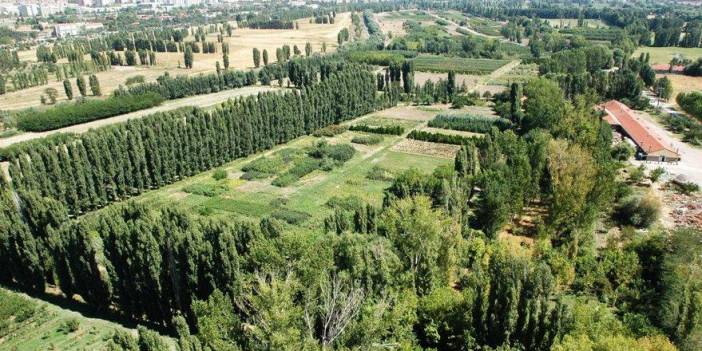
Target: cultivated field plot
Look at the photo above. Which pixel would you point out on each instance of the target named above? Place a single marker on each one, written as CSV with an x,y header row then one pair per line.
x,y
418,147
485,26
665,54
419,16
252,188
573,22
517,74
390,25
431,63
241,44
30,324
470,80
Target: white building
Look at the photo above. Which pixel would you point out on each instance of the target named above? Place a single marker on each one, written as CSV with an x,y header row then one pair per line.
x,y
71,29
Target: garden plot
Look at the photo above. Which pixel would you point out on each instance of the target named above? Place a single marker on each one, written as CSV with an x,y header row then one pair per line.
x,y
425,148
460,65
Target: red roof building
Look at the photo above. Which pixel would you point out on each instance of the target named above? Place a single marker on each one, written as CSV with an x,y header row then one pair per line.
x,y
654,148
665,68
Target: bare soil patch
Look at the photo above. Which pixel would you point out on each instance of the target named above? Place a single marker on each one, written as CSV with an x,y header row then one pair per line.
x,y
450,132
412,113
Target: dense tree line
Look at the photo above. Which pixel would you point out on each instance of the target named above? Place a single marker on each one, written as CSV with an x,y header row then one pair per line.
x,y
691,102
85,111
116,162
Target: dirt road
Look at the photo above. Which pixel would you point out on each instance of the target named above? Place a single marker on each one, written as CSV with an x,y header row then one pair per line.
x,y
199,100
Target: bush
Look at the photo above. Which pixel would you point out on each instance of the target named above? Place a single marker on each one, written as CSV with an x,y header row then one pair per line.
x,y
622,151
71,325
469,123
209,190
348,203
380,173
691,102
219,174
367,139
656,174
686,188
392,130
135,80
300,169
330,131
263,166
637,174
340,153
440,138
638,211
68,114
290,216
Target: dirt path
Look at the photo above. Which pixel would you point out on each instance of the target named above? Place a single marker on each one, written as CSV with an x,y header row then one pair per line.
x,y
690,164
199,100
483,80
453,29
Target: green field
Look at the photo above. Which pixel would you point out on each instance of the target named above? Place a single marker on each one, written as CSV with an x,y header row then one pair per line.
x,y
665,54
30,324
485,26
441,64
410,15
306,199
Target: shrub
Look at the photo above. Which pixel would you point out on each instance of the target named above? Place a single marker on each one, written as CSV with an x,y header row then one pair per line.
x,y
440,138
219,174
71,325
135,80
469,123
209,190
637,174
300,169
622,151
638,211
392,130
691,102
656,174
330,131
367,139
68,114
340,152
348,203
686,188
264,165
290,216
379,173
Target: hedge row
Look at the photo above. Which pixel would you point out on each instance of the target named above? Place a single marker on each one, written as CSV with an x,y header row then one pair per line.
x,y
69,114
392,130
469,123
440,138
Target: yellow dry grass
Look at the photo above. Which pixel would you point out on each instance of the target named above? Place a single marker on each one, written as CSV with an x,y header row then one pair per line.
x,y
241,45
683,84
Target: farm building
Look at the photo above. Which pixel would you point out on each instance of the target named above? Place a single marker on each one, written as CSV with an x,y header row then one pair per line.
x,y
651,146
665,68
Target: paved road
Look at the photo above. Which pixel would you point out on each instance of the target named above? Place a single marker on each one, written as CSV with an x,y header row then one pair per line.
x,y
199,100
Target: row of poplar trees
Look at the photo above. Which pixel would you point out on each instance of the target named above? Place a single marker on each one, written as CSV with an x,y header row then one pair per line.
x,y
114,163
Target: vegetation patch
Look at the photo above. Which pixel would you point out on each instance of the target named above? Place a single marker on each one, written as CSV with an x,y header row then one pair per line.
x,y
442,64
367,139
209,190
330,131
469,122
440,138
392,130
68,114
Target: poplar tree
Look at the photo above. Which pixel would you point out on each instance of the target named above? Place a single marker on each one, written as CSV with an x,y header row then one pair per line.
x,y
95,85
82,88
256,57
68,89
188,57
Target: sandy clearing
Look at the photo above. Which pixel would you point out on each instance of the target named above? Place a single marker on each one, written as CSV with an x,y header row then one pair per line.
x,y
199,100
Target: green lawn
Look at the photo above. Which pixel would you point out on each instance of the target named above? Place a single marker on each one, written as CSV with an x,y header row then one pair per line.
x,y
665,54
258,198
